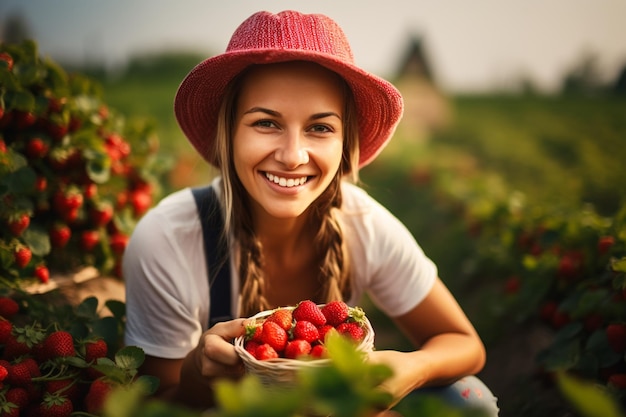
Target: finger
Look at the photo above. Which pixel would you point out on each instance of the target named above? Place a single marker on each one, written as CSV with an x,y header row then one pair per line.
x,y
228,330
217,349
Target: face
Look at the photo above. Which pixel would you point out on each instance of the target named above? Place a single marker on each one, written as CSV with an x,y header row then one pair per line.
x,y
288,136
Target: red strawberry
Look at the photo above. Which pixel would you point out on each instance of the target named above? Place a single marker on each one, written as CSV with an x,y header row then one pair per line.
x,y
42,273
101,214
95,349
3,373
118,242
41,183
7,59
98,392
336,312
8,307
59,344
616,335
89,239
353,330
60,234
55,405
5,330
91,191
18,223
309,311
14,347
305,330
23,119
141,202
253,332
617,381
17,396
282,317
251,347
22,256
297,348
67,387
323,331
36,148
605,243
319,351
265,352
20,375
274,335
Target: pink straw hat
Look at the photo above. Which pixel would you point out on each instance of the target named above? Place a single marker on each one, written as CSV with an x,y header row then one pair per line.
x,y
266,38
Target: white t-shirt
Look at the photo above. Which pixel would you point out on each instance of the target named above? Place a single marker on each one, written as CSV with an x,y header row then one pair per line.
x,y
165,272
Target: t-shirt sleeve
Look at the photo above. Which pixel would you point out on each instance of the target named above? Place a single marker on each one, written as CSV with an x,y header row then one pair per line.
x,y
159,279
387,261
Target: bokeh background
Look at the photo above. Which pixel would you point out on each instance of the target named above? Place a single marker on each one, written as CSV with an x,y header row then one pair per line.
x,y
512,145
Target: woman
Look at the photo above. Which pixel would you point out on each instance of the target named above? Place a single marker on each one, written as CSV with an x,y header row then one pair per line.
x,y
288,119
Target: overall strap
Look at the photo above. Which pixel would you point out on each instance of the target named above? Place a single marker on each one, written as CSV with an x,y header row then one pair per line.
x,y
216,254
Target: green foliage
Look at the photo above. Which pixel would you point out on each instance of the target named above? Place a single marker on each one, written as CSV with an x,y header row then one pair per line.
x,y
74,174
590,399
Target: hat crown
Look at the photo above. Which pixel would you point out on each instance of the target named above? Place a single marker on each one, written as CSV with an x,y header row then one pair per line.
x,y
291,30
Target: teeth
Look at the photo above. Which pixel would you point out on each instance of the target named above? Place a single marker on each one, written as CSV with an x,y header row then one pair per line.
x,y
284,182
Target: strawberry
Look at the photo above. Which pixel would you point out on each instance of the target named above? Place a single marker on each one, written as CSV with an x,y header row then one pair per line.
x,y
141,202
101,214
36,148
67,387
18,223
89,239
118,242
7,60
17,396
319,351
336,312
274,335
23,119
309,311
323,331
617,381
3,373
265,352
91,191
67,201
59,344
616,335
14,347
353,330
60,234
98,392
8,307
55,405
20,375
282,317
251,347
253,332
297,348
41,183
604,244
22,256
42,273
305,330
95,349
5,330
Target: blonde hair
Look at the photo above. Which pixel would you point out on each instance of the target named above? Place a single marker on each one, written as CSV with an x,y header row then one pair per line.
x,y
334,262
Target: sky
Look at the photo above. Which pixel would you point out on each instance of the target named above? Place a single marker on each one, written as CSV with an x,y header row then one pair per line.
x,y
472,45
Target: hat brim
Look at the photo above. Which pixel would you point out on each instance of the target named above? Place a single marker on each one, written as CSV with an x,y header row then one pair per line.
x,y
199,96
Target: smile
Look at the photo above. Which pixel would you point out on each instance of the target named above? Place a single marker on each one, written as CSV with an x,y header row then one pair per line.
x,y
286,182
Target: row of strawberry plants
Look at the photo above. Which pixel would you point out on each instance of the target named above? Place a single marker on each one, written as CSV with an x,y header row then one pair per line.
x,y
561,267
74,174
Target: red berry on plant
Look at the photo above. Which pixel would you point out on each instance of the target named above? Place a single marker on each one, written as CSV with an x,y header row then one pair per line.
x,y
7,60
99,391
60,235
8,307
118,242
605,243
89,239
36,148
42,273
59,344
18,223
616,335
22,256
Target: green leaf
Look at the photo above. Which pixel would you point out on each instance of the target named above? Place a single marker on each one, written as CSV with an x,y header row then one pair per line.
x,y
38,240
588,398
130,357
20,180
20,100
619,265
117,308
88,307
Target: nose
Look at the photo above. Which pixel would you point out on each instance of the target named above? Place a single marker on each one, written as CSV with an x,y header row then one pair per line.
x,y
291,152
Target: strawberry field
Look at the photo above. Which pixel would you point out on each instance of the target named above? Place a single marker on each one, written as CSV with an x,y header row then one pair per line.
x,y
520,201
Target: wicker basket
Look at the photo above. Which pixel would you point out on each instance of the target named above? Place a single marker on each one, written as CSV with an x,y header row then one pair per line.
x,y
283,370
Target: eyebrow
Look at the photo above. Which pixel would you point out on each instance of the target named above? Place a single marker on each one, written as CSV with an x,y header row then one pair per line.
x,y
274,113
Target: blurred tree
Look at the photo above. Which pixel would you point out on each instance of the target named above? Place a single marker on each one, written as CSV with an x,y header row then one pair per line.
x,y
584,77
619,87
15,29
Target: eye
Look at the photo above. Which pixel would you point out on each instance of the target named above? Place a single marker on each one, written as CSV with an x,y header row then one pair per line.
x,y
265,123
321,129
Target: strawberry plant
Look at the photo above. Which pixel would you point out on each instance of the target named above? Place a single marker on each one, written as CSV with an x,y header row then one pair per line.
x,y
75,176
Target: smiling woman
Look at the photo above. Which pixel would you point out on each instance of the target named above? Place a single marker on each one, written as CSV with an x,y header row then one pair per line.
x,y
288,119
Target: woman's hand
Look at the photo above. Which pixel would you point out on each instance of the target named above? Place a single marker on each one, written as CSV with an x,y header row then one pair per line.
x,y
409,371
215,355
